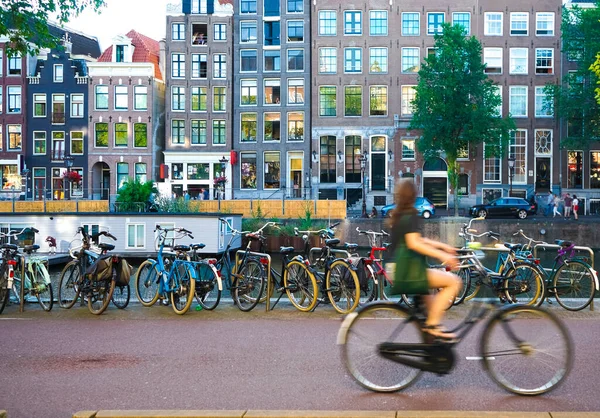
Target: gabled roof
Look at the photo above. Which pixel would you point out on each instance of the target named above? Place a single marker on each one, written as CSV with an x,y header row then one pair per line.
x,y
146,50
82,44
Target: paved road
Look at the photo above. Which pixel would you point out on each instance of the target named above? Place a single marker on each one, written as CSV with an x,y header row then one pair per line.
x,y
53,364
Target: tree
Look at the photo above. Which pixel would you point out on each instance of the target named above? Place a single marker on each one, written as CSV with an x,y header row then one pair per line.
x,y
25,22
134,196
595,67
456,104
575,99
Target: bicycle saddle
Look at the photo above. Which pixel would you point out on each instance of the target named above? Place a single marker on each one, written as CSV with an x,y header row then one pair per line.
x,y
563,243
332,242
198,246
184,248
9,247
29,248
351,247
106,247
513,247
286,250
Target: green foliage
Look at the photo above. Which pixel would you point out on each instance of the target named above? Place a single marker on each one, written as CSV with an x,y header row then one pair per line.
x,y
134,195
25,22
256,210
595,68
306,221
172,205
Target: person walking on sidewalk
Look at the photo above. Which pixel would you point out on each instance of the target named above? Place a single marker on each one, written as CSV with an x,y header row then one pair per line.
x,y
568,203
549,204
575,204
556,203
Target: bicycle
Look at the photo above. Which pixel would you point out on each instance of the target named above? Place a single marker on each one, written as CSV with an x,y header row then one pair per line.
x,y
385,346
208,279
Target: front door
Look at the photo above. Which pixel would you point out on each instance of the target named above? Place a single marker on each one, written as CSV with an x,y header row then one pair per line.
x,y
543,174
378,172
435,189
105,183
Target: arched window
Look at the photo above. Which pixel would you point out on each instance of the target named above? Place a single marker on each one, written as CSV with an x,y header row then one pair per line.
x,y
435,164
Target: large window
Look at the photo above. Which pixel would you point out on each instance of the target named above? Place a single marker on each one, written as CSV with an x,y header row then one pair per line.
x,y
249,124
378,101
410,24
544,24
76,142
58,73
14,99
352,60
544,105
58,145
295,126
543,142
493,24
408,149
272,170
491,169
101,97
178,31
77,105
199,132
15,65
327,23
248,170
492,58
178,65
136,236
295,58
39,105
177,98
273,91
408,95
198,171
518,150
199,66
272,126
327,101
410,60
272,33
122,174
219,66
120,134
58,109
519,23
462,19
517,105
544,61
352,164
353,22
177,131
327,160
575,170
378,60
249,60
140,98
327,60
295,31
247,6
434,23
218,132
101,135
219,103
140,135
199,99
248,31
272,61
295,91
295,6
518,60
249,92
352,101
15,137
39,143
378,23
220,32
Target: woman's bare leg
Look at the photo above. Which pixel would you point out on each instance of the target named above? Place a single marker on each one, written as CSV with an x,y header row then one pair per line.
x,y
450,285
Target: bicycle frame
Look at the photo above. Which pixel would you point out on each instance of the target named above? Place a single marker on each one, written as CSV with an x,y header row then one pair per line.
x,y
170,280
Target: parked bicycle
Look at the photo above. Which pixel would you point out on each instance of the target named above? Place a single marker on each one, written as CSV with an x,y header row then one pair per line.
x,y
372,276
208,279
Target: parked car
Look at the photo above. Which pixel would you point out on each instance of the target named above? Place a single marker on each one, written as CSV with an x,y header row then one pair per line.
x,y
424,207
504,206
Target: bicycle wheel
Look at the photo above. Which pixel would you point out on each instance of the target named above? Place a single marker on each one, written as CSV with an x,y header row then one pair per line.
x,y
524,284
121,295
208,286
465,278
300,285
342,286
69,285
147,283
526,350
360,338
183,295
368,283
574,285
248,286
3,289
100,294
41,286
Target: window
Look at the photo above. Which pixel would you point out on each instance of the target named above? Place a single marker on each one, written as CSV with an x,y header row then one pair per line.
x,y
220,32
491,169
141,172
327,23
120,134
378,101
498,111
121,98
247,6
14,99
327,60
410,24
378,60
122,174
272,127
14,65
39,105
199,99
517,105
327,159
178,31
77,142
544,104
493,24
178,65
218,132
101,97
492,58
198,171
140,98
199,66
295,91
39,143
140,135
272,33
199,132
219,66
219,104
273,91
248,170
77,105
249,92
434,23
58,145
408,149
199,6
272,7
463,184
519,24
101,135
58,73
295,31
518,150
58,109
378,23
352,153
543,142
410,60
248,31
120,53
462,19
544,61
177,132
352,60
518,60
272,170
544,24
327,101
249,61
295,6
295,126
295,59
177,170
353,22
353,101
575,169
408,95
177,98
136,237
249,125
272,60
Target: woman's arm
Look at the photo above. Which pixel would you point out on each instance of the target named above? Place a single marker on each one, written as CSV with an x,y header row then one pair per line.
x,y
442,246
417,243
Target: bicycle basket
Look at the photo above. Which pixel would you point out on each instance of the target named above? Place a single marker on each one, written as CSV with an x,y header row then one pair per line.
x,y
123,273
27,237
101,269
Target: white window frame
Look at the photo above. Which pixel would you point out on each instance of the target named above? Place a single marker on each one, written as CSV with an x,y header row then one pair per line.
x,y
325,60
413,14
515,56
548,143
490,24
371,12
435,30
512,95
248,25
324,16
409,148
353,60
384,69
358,13
540,98
516,18
288,60
522,147
37,140
77,105
542,18
294,82
36,100
249,84
407,92
541,67
181,99
496,163
137,245
58,75
491,54
404,59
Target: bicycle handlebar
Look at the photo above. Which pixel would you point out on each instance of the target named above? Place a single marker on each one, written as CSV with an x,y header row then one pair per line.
x,y
14,233
521,233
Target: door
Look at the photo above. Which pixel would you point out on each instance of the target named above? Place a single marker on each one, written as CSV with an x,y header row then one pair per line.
x,y
542,174
434,189
378,172
105,183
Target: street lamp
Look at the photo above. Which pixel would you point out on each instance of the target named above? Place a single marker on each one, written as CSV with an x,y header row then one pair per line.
x,y
363,164
24,176
511,172
68,160
223,162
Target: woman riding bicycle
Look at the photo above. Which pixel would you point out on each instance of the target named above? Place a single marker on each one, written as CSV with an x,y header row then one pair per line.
x,y
406,230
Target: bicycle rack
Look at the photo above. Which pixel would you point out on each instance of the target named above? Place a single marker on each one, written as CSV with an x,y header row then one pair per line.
x,y
268,257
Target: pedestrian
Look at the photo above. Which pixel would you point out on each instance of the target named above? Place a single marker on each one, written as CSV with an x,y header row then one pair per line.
x,y
201,194
408,245
533,202
575,204
373,213
549,204
568,202
186,196
555,203
205,194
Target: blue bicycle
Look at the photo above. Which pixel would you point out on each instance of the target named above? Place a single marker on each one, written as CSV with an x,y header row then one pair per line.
x,y
155,280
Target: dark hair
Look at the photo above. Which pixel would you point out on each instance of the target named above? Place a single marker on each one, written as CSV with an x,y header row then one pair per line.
x,y
405,195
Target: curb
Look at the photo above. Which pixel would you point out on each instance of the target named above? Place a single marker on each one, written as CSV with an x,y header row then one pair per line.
x,y
325,414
